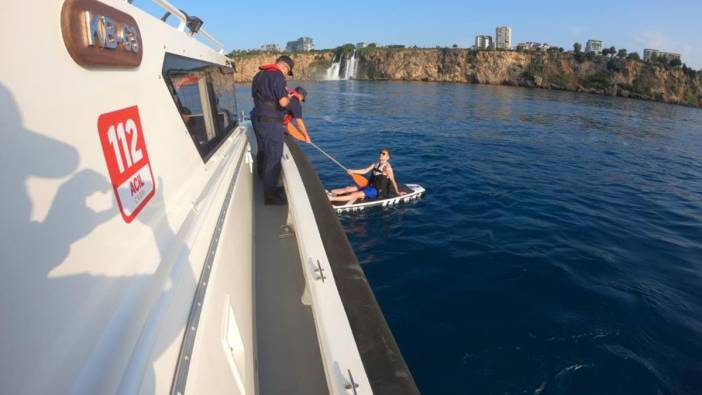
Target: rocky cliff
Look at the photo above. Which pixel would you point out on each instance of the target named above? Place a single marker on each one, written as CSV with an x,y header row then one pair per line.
x,y
548,70
308,65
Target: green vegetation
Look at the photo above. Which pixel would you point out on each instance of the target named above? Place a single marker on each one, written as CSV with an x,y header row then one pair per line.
x,y
689,71
616,65
611,51
622,53
665,61
644,82
370,48
253,53
565,81
633,56
578,50
344,50
244,53
527,75
535,68
599,80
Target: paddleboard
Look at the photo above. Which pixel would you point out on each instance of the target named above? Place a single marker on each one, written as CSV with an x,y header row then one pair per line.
x,y
414,191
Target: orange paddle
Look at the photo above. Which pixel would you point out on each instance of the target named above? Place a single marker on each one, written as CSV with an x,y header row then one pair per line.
x,y
361,181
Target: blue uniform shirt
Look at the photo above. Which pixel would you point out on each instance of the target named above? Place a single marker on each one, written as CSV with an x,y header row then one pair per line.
x,y
267,88
295,107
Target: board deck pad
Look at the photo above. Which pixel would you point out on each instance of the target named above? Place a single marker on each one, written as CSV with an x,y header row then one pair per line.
x,y
414,191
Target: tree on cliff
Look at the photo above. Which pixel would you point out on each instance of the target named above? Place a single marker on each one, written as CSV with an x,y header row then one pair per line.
x,y
689,71
633,56
578,49
675,62
612,51
621,53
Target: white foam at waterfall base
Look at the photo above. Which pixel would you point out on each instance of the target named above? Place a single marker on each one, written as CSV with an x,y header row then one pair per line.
x,y
333,71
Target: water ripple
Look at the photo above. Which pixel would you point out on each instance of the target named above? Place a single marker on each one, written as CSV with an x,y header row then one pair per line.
x,y
558,249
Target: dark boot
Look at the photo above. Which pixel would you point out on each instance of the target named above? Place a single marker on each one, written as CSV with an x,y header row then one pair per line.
x,y
275,197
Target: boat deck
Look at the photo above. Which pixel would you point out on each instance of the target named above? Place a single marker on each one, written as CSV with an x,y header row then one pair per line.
x,y
288,355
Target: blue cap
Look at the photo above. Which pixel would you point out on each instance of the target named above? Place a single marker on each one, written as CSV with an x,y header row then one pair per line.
x,y
287,60
302,91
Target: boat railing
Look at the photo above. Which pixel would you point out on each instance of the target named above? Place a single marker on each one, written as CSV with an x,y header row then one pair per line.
x,y
183,23
359,352
342,362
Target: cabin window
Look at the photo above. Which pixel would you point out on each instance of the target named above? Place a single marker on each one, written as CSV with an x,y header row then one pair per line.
x,y
205,98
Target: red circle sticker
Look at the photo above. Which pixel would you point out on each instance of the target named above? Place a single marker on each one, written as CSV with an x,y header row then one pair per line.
x,y
127,160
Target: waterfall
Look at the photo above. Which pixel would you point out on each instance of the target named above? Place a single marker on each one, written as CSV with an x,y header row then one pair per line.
x,y
351,66
333,71
343,68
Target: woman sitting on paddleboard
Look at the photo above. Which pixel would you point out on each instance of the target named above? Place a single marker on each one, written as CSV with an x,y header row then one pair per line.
x,y
381,176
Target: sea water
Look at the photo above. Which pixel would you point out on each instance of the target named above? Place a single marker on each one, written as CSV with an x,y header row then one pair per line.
x,y
558,249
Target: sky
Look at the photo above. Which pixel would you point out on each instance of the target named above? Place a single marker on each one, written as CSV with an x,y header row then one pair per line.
x,y
672,25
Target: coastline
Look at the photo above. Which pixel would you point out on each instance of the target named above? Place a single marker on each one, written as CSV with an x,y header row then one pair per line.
x,y
609,76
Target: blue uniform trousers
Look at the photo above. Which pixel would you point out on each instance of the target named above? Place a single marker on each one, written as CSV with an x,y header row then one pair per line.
x,y
269,139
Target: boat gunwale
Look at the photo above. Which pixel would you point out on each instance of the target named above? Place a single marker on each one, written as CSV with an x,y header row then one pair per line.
x,y
383,362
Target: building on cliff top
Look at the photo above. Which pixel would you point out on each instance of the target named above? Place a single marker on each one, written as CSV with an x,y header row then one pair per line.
x,y
594,46
503,37
483,42
533,46
301,44
650,54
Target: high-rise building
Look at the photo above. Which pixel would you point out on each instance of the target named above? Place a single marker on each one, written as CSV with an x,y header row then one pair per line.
x,y
301,44
594,46
503,37
483,41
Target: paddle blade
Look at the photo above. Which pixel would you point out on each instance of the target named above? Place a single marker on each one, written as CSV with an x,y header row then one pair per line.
x,y
361,181
293,131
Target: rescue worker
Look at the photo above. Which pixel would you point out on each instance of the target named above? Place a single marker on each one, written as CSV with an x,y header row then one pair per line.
x,y
381,176
293,119
270,97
